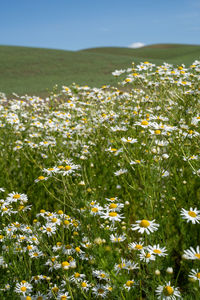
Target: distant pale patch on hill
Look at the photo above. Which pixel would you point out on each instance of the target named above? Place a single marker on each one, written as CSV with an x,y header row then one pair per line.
x,y
136,45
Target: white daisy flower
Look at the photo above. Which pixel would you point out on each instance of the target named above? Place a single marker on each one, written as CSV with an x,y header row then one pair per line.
x,y
136,246
63,296
195,274
146,256
145,226
192,215
101,275
112,216
117,238
100,291
157,250
129,140
167,292
129,284
23,288
120,172
191,253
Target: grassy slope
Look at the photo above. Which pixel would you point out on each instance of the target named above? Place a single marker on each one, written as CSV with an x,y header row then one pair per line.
x,y
33,70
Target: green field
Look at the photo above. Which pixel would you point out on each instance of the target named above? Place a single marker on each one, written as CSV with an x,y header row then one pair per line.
x,y
100,189
34,71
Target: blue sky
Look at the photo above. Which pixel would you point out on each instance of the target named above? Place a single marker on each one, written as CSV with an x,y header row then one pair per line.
x,y
79,24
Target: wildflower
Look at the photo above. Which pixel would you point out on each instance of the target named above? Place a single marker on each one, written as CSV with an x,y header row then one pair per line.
x,y
129,284
145,226
96,210
101,275
77,277
157,250
41,178
191,253
169,270
192,215
136,246
125,265
85,285
117,238
146,256
23,288
49,229
167,292
100,291
157,272
195,274
14,197
129,140
112,216
63,296
120,172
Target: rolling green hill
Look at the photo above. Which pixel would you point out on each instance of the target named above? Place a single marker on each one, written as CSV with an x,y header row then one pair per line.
x,y
33,71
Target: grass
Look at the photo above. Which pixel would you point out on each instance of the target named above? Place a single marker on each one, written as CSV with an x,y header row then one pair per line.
x,y
100,190
34,71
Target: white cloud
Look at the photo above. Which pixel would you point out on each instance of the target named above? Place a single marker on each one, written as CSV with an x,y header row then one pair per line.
x,y
136,45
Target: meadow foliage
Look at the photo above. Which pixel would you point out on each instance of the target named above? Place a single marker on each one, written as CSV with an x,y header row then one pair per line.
x,y
100,189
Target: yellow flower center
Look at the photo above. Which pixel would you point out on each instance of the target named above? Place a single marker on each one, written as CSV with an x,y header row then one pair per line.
x,y
23,289
28,298
113,205
192,214
49,229
148,255
138,247
76,275
122,266
112,199
95,209
16,196
129,283
77,249
55,289
144,122
54,220
67,168
197,255
157,251
198,275
65,264
144,223
168,290
112,214
157,131
83,284
100,291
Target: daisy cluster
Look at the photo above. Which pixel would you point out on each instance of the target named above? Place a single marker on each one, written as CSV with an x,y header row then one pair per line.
x,y
102,189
